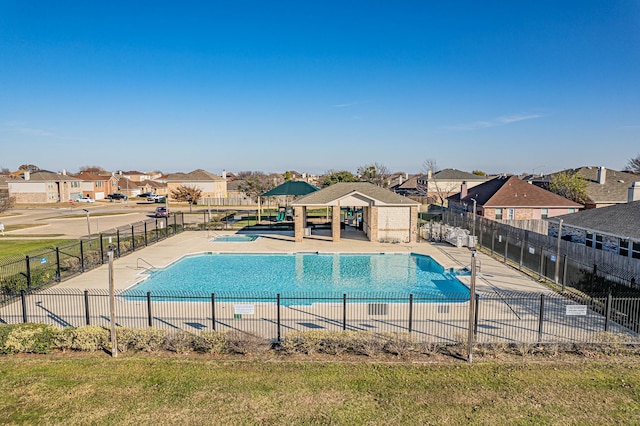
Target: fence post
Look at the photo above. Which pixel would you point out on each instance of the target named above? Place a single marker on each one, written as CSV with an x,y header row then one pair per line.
x,y
607,316
23,297
278,313
149,309
156,230
101,250
475,320
175,226
541,263
506,247
213,311
146,242
81,257
344,311
133,240
28,271
86,308
564,272
493,238
522,244
410,312
541,318
58,278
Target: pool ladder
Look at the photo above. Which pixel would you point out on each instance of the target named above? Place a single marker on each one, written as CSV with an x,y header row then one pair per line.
x,y
138,264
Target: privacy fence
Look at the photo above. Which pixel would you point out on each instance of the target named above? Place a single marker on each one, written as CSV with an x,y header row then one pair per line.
x,y
570,264
53,264
500,317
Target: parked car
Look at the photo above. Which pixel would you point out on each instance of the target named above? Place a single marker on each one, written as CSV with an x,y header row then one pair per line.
x,y
162,212
145,194
156,198
117,196
85,200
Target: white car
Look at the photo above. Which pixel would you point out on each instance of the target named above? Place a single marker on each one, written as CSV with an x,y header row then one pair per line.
x,y
85,200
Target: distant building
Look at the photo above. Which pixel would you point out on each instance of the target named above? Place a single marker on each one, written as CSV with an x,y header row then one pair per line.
x,y
43,186
211,185
509,198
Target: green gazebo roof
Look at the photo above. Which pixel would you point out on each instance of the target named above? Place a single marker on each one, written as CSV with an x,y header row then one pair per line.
x,y
290,187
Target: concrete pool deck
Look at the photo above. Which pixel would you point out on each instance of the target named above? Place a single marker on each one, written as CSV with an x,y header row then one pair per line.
x,y
130,269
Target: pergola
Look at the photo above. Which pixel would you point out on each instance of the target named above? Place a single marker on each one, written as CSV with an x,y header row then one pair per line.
x,y
387,216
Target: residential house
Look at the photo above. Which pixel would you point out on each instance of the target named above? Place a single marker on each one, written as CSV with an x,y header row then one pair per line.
x,y
510,198
211,185
613,228
435,188
136,176
43,186
97,186
605,187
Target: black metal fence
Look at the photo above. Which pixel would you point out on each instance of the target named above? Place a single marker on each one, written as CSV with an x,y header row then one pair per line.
x,y
54,264
584,268
500,317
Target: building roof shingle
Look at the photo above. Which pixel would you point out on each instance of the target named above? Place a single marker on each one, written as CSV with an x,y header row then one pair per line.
x,y
342,189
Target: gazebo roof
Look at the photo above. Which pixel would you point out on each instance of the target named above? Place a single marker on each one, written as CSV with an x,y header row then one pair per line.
x,y
290,187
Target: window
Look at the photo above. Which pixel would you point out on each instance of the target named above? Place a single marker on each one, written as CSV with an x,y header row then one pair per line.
x,y
498,214
624,247
511,214
75,184
589,239
599,242
572,210
544,213
636,250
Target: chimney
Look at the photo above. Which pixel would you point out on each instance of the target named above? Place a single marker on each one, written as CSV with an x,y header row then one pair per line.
x,y
64,172
634,192
429,174
400,179
463,190
224,174
602,175
27,175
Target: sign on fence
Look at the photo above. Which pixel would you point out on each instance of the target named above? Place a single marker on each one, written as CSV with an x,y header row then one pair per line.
x,y
576,310
243,309
532,250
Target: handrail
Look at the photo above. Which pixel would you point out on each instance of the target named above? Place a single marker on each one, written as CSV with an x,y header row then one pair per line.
x,y
138,266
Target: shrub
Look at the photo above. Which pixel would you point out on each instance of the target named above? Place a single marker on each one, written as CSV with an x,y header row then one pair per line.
x,y
178,341
30,338
5,330
91,338
148,339
210,342
400,344
238,342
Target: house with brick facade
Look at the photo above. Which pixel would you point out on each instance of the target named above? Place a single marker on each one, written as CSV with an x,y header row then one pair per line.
x,y
510,198
43,186
435,188
97,186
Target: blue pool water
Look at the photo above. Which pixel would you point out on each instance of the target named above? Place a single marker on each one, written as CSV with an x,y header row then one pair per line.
x,y
304,273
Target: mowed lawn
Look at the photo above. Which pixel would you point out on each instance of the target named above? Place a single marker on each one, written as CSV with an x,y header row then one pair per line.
x,y
146,390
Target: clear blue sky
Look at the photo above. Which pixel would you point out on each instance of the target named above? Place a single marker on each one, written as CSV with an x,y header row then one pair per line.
x,y
507,86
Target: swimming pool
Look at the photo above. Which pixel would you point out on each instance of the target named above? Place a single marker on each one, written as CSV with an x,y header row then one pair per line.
x,y
235,238
307,273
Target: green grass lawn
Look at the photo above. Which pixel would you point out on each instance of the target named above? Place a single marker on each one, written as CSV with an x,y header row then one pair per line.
x,y
147,390
22,247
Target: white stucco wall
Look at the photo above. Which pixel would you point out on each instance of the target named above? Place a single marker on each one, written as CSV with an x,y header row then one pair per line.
x,y
393,224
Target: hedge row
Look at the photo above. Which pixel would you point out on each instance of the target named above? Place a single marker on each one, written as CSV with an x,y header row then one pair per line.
x,y
43,339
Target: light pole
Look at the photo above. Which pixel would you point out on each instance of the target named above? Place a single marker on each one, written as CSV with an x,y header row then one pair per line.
x,y
88,226
474,219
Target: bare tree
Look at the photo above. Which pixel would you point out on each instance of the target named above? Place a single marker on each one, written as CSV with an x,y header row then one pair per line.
x,y
256,183
633,165
189,194
376,173
6,202
91,169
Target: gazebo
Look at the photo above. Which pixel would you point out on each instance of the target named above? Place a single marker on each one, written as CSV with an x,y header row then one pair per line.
x,y
295,188
386,216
